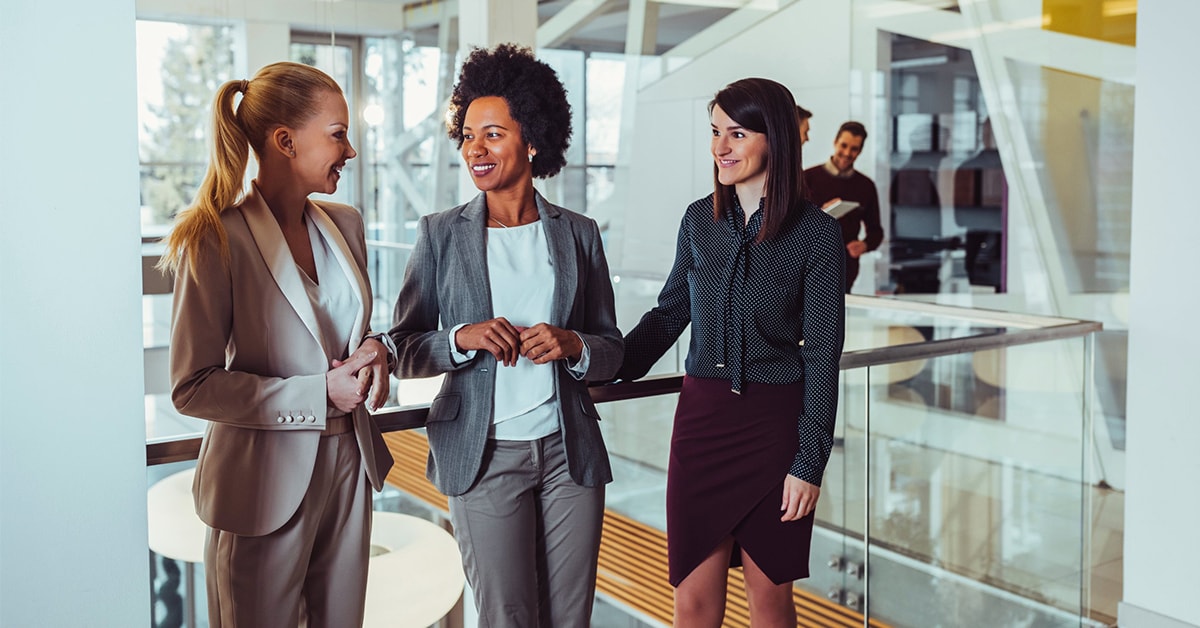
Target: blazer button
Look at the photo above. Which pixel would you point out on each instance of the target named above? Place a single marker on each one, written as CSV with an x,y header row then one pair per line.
x,y
291,419
312,419
279,419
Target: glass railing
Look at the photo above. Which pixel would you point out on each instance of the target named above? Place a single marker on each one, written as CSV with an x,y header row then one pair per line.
x,y
965,480
961,489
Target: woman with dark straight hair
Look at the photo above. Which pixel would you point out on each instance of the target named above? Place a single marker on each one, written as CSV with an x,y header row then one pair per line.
x,y
758,276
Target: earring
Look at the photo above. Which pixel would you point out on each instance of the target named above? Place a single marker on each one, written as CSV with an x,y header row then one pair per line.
x,y
292,152
530,157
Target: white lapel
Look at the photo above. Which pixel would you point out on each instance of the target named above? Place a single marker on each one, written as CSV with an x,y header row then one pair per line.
x,y
345,258
269,239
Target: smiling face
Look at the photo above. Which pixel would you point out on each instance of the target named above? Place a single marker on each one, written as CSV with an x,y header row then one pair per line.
x,y
492,148
322,145
846,149
740,154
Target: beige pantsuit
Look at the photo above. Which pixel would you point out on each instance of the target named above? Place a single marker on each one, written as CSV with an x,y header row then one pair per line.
x,y
320,555
287,503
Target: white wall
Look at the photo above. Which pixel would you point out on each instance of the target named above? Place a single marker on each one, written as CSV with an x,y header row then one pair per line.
x,y
670,162
361,17
1162,554
73,548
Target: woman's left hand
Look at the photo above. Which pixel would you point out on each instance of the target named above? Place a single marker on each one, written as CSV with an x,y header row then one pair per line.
x,y
799,498
544,343
374,375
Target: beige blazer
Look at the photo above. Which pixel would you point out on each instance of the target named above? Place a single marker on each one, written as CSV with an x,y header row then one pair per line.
x,y
246,355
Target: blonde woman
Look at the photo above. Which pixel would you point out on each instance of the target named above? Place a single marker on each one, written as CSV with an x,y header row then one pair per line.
x,y
269,343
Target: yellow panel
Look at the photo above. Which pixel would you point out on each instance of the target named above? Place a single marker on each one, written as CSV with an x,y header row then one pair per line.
x,y
1106,20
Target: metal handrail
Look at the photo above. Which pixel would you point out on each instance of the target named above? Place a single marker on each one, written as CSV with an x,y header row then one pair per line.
x,y
394,419
394,246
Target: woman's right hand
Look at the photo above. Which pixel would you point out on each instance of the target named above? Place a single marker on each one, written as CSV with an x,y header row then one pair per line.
x,y
342,385
496,336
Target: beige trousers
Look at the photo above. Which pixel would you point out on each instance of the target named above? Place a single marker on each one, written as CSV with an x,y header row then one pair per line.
x,y
314,568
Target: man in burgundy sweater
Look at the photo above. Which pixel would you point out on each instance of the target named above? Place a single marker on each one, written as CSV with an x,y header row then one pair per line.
x,y
837,180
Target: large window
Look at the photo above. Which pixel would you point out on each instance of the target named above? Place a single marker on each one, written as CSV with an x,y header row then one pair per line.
x,y
338,58
180,67
605,90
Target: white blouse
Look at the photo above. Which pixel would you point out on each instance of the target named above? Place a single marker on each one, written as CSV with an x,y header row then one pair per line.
x,y
334,300
522,284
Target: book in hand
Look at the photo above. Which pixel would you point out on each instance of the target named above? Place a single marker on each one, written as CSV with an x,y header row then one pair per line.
x,y
841,208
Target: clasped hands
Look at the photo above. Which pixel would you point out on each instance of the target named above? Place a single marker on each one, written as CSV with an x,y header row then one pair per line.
x,y
540,343
348,382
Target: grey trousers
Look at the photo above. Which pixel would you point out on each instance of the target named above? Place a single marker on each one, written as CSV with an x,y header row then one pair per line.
x,y
313,568
529,537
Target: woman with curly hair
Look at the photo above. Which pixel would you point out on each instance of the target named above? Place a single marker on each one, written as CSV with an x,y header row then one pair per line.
x,y
509,297
758,277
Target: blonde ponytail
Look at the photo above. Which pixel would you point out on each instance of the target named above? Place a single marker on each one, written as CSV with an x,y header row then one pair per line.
x,y
222,187
280,94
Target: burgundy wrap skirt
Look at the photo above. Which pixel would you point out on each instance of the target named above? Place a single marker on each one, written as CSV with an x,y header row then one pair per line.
x,y
729,455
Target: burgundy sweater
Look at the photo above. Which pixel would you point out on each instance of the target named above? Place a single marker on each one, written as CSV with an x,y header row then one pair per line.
x,y
822,186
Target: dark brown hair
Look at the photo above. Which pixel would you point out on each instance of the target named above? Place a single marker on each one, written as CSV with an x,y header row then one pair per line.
x,y
764,106
853,128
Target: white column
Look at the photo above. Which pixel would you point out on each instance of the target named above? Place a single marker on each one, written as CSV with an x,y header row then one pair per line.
x,y
485,23
266,43
1162,553
73,548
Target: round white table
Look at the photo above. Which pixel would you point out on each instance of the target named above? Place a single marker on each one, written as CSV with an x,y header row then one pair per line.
x,y
175,530
414,577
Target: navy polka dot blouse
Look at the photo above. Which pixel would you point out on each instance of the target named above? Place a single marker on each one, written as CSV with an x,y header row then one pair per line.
x,y
771,312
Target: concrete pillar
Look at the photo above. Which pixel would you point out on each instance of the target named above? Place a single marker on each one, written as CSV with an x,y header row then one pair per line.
x,y
73,545
1161,551
485,23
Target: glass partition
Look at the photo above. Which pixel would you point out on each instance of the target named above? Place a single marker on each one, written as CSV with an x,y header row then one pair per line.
x,y
1088,195
979,509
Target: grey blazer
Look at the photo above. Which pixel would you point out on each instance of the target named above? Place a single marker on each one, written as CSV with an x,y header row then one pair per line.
x,y
447,281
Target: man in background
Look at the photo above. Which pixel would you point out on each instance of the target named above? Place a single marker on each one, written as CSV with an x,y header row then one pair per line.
x,y
804,115
835,181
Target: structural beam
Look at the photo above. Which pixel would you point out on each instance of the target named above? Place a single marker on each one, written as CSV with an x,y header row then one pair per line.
x,y
722,30
569,20
641,30
486,23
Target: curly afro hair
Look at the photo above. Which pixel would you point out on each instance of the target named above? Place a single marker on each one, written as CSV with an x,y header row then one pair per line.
x,y
536,99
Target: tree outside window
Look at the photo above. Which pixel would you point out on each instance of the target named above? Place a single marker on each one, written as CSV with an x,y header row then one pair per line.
x,y
180,67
